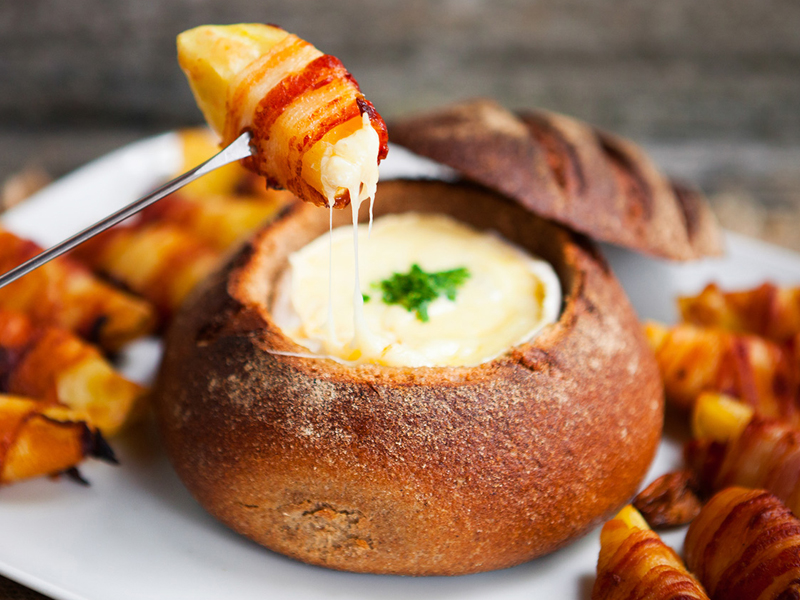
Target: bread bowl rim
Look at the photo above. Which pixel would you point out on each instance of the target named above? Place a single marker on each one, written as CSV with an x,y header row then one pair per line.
x,y
244,289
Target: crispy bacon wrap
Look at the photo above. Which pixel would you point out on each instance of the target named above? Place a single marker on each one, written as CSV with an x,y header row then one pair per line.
x,y
38,439
219,220
158,260
64,293
296,101
733,445
693,360
768,310
634,564
55,366
745,545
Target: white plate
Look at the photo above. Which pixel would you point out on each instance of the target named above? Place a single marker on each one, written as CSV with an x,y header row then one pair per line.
x,y
136,533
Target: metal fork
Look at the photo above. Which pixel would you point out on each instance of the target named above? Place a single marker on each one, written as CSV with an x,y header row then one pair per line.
x,y
236,150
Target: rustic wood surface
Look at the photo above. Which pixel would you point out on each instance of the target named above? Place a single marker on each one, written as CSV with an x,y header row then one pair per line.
x,y
713,87
681,68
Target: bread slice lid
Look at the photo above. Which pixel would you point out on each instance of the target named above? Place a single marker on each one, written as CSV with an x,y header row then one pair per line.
x,y
566,170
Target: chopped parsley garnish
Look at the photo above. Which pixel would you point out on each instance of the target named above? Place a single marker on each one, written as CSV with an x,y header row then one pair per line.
x,y
416,289
365,297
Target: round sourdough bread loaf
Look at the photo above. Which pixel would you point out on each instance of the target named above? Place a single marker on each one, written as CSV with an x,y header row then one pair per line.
x,y
416,471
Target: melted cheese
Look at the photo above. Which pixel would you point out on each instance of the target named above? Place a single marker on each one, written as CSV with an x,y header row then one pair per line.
x,y
508,297
351,164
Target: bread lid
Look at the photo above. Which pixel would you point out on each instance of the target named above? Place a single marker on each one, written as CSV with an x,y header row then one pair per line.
x,y
566,170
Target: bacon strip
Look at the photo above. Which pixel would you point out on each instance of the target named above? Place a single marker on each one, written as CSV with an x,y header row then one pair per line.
x,y
160,261
288,56
634,564
218,220
766,454
39,440
767,310
693,360
291,98
745,545
65,294
55,366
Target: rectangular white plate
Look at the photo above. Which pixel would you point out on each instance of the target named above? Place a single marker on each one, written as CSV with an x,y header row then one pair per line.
x,y
136,533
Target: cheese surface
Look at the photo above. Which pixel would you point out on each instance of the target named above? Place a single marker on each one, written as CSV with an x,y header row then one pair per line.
x,y
507,298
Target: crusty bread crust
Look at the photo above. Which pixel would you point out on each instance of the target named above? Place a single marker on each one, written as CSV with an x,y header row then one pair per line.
x,y
417,471
597,183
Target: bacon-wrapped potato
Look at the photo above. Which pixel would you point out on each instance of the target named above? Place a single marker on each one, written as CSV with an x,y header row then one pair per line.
x,y
57,367
64,293
219,220
768,310
634,564
39,439
160,261
735,446
694,359
745,545
313,131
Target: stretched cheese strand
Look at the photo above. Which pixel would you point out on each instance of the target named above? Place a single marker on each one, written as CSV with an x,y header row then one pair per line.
x,y
349,162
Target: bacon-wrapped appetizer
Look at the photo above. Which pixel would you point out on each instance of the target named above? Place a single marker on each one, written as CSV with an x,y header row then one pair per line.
x,y
735,446
634,564
39,439
219,220
768,310
313,131
694,359
55,366
66,294
745,545
160,261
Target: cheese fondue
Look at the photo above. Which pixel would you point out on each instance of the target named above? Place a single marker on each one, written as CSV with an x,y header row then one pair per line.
x,y
507,297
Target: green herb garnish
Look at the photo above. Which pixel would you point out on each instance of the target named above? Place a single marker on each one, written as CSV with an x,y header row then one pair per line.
x,y
365,298
416,289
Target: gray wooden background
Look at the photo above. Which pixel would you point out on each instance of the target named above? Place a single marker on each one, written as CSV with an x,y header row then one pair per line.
x,y
712,87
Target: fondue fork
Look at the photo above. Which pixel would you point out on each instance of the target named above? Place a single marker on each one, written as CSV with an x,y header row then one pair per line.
x,y
236,150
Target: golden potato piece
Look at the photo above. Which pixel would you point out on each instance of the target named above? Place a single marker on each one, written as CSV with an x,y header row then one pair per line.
x,y
54,365
44,440
65,294
161,261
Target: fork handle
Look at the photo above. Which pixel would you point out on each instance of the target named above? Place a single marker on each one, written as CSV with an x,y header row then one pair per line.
x,y
236,150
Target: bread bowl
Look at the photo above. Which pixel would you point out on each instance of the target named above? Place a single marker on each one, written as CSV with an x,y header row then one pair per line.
x,y
416,471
